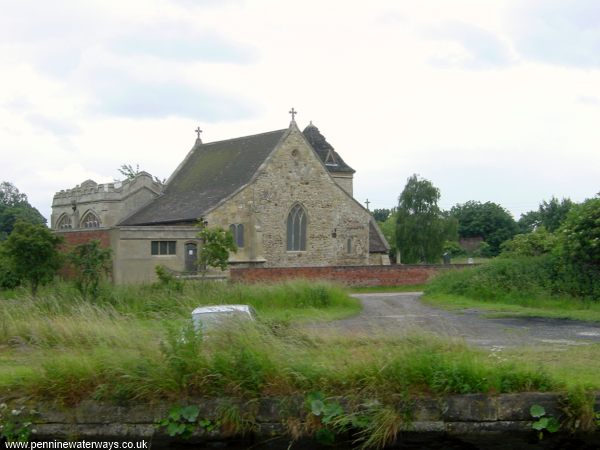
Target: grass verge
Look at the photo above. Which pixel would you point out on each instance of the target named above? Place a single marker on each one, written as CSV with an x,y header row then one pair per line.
x,y
527,286
575,366
553,308
376,289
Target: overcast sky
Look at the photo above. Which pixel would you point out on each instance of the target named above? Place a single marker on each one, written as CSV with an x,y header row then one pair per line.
x,y
490,100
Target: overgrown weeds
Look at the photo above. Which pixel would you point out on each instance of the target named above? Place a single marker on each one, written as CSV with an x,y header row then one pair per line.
x,y
526,283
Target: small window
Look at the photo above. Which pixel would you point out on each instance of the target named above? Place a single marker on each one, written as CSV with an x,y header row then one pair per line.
x,y
237,231
296,229
64,223
90,220
162,248
349,245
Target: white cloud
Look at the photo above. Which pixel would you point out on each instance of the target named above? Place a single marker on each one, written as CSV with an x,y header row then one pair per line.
x,y
93,85
563,32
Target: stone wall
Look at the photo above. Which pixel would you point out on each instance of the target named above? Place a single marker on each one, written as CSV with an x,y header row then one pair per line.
x,y
466,421
394,275
294,174
110,202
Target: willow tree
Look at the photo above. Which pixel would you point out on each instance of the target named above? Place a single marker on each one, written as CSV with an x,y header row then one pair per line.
x,y
421,227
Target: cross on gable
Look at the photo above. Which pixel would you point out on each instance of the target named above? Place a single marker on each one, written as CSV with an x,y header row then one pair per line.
x,y
367,202
198,131
293,112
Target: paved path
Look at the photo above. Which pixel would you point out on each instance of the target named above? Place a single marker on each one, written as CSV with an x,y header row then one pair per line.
x,y
404,313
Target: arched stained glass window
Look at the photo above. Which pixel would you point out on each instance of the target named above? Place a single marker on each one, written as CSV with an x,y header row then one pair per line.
x,y
90,220
64,223
296,229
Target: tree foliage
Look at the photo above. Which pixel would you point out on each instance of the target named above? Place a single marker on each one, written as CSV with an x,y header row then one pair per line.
x,y
537,243
421,228
216,245
129,172
381,214
550,214
14,207
487,220
32,252
580,233
91,263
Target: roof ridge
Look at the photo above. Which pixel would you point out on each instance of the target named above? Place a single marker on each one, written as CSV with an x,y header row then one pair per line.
x,y
204,144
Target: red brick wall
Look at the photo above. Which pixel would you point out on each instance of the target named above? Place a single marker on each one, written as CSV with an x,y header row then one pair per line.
x,y
73,238
394,275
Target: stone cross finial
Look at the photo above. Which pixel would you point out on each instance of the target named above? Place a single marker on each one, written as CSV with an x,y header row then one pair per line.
x,y
293,112
367,202
198,131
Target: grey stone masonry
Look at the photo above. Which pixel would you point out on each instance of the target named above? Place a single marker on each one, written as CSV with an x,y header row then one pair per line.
x,y
482,421
109,202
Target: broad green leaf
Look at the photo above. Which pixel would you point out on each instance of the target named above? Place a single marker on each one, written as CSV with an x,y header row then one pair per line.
x,y
541,424
553,425
317,407
190,413
537,411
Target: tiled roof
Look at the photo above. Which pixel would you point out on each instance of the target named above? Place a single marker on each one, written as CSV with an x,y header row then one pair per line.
x,y
333,161
210,173
377,243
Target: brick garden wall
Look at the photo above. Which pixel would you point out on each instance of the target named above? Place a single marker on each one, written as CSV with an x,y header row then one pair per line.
x,y
73,238
394,275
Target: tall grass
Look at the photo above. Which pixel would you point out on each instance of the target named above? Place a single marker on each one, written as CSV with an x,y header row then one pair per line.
x,y
250,360
139,344
60,316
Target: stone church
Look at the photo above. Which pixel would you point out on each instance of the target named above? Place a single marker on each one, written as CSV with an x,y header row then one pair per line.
x,y
285,195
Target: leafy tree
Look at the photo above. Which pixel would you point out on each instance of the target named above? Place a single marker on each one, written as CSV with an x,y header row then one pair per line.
x,y
537,243
550,215
8,278
420,225
10,195
216,245
381,214
91,262
487,220
14,207
529,221
32,252
580,233
130,173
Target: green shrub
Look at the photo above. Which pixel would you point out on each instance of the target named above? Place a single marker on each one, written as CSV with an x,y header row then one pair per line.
x,y
580,234
537,243
514,279
9,279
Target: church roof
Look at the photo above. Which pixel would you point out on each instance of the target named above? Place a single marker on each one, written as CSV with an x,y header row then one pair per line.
x,y
377,243
333,161
210,173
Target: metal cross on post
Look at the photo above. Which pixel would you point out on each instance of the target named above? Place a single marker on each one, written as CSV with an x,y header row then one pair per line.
x,y
198,131
293,112
367,202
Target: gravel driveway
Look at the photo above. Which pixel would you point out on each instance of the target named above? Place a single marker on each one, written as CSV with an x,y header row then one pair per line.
x,y
404,313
